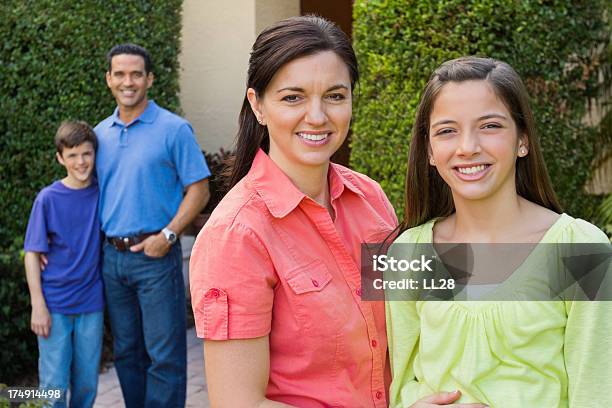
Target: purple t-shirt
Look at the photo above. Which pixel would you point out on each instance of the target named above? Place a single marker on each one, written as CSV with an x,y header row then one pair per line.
x,y
64,224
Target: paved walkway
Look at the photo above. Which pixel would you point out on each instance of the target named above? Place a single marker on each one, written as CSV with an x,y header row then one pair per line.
x,y
109,393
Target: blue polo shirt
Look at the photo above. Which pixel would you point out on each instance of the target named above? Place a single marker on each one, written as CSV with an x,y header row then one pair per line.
x,y
143,168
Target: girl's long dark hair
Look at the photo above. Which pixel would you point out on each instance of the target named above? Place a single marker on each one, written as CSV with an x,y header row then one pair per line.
x,y
427,195
276,46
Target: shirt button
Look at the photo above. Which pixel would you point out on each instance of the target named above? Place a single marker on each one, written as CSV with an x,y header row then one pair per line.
x,y
214,293
379,394
374,343
358,292
315,283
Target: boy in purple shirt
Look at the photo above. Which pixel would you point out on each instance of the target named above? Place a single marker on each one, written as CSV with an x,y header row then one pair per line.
x,y
67,297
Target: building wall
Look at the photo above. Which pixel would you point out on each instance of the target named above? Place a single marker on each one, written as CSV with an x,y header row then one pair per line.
x,y
268,12
216,41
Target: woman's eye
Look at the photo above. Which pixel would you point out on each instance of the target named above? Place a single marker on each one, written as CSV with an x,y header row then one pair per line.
x,y
291,98
336,97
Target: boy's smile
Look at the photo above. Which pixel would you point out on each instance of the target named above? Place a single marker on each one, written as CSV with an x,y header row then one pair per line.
x,y
79,163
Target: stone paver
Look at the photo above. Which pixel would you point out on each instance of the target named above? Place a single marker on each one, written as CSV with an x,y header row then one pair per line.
x,y
109,392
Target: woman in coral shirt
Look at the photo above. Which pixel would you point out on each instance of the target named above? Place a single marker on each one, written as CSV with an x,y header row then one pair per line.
x,y
275,277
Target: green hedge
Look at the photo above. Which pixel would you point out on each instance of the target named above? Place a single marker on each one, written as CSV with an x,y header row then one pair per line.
x,y
551,44
52,65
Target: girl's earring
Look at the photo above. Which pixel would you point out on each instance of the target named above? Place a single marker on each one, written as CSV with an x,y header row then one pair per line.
x,y
432,161
523,151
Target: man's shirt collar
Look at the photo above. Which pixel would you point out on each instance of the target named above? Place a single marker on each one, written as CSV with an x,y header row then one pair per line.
x,y
147,116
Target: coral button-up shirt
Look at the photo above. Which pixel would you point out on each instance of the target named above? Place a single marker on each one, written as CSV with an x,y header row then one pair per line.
x,y
271,261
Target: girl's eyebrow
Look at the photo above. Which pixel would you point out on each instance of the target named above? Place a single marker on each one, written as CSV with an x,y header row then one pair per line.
x,y
298,89
493,115
483,117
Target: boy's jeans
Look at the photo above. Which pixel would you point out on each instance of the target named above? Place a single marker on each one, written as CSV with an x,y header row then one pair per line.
x,y
146,303
70,356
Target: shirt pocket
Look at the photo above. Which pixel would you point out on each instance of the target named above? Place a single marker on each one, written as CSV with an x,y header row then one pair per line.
x,y
312,277
316,302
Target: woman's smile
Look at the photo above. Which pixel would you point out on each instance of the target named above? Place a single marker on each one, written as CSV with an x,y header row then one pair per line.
x,y
307,111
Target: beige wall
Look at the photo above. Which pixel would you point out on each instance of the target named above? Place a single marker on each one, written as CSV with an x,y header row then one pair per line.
x,y
216,41
270,11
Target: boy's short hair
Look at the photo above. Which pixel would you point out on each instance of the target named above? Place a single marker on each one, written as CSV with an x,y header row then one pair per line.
x,y
74,133
130,49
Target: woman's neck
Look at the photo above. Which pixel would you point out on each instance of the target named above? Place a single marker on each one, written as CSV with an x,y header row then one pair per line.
x,y
310,180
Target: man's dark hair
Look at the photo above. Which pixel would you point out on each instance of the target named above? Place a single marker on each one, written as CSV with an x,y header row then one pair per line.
x,y
130,49
74,133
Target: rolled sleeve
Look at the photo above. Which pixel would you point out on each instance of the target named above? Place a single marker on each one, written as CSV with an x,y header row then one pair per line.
x,y
232,284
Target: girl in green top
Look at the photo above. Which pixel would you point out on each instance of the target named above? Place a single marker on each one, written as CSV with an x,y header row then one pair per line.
x,y
476,175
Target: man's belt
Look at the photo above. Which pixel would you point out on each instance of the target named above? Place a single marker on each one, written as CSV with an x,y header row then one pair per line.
x,y
124,243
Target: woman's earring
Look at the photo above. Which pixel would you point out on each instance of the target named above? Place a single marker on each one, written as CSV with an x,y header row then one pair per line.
x,y
261,122
523,151
432,161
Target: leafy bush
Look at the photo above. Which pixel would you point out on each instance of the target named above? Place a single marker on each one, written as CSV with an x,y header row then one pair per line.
x,y
556,47
216,164
603,216
52,66
18,352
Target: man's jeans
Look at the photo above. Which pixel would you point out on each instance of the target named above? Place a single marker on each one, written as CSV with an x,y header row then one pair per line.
x,y
146,302
70,356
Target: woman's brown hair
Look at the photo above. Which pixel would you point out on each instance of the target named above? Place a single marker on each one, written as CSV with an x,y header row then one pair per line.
x,y
427,195
277,45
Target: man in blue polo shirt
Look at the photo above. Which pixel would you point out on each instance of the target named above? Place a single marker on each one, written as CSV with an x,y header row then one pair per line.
x,y
152,178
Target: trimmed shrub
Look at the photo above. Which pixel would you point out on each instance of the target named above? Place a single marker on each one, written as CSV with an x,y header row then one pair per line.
x,y
555,46
52,66
18,352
